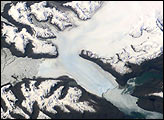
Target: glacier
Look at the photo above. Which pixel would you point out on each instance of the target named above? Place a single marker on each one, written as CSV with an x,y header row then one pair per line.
x,y
112,29
95,35
106,36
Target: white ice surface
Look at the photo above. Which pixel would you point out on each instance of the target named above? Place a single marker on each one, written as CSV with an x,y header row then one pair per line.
x,y
84,72
18,67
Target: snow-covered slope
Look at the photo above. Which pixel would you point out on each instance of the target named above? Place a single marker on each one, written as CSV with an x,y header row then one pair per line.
x,y
10,101
124,36
45,97
22,14
52,98
43,90
22,38
84,10
42,13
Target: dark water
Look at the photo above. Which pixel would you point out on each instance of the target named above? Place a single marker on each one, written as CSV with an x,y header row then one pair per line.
x,y
147,76
144,78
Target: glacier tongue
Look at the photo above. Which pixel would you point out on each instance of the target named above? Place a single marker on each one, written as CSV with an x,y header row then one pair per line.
x,y
87,74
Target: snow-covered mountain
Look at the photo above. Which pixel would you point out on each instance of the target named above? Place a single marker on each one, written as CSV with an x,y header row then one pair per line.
x,y
138,37
48,98
22,38
101,45
84,10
